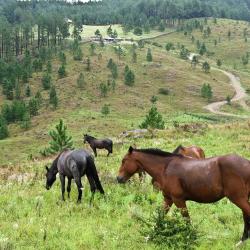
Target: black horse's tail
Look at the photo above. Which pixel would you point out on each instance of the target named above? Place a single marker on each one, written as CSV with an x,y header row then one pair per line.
x,y
94,174
111,147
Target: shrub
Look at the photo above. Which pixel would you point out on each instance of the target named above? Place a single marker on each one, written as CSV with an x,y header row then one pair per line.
x,y
62,71
163,91
167,232
105,110
46,81
4,133
206,91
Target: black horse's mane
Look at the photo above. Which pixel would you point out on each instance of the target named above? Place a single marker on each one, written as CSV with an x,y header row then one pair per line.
x,y
90,136
177,149
54,163
155,151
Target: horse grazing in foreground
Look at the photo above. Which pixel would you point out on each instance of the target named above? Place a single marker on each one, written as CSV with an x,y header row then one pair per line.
x,y
74,164
98,143
192,151
182,178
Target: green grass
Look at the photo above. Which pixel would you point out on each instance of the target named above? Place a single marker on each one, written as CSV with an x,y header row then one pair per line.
x,y
32,217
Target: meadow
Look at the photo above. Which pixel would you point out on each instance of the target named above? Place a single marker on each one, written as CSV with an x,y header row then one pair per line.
x,y
33,218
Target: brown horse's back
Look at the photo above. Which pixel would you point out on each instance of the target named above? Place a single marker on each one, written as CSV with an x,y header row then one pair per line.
x,y
211,179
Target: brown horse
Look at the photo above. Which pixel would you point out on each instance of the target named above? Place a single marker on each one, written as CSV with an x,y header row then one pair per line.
x,y
193,152
182,178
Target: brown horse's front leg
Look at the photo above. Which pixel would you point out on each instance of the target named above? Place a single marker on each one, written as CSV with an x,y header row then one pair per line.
x,y
167,204
181,204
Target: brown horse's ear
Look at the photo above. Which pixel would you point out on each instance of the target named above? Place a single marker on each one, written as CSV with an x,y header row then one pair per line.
x,y
130,149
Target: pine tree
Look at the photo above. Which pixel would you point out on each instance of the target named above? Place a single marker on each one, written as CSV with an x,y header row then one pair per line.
x,y
49,67
46,81
17,91
129,78
105,110
88,64
80,81
194,62
26,122
53,99
33,106
97,32
134,56
114,71
60,140
62,71
109,31
206,67
153,120
92,49
62,58
219,63
103,89
28,91
4,133
206,91
149,56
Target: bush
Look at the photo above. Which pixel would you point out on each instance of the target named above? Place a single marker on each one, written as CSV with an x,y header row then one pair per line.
x,y
46,81
4,133
206,91
138,31
105,110
173,232
163,91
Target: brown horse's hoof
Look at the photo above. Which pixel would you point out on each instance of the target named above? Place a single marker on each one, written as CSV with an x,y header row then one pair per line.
x,y
239,243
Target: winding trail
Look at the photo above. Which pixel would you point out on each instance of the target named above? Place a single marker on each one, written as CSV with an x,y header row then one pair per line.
x,y
240,95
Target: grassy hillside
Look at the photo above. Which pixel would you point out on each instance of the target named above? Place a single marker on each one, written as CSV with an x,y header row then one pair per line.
x,y
81,109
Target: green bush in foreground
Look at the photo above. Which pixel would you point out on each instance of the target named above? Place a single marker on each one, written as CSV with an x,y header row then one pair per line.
x,y
169,232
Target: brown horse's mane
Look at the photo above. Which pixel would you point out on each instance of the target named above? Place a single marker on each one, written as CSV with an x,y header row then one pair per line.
x,y
177,149
158,152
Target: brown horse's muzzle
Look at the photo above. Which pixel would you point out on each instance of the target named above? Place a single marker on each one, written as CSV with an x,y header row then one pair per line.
x,y
120,179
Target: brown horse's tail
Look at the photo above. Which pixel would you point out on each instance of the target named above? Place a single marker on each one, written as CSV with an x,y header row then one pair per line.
x,y
94,174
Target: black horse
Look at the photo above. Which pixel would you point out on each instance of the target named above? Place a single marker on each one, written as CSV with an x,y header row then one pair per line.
x,y
98,143
74,164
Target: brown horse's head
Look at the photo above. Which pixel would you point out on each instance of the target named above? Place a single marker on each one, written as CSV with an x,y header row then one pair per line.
x,y
129,167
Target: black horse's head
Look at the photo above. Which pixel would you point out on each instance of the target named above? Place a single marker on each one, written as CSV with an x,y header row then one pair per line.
x,y
50,177
85,138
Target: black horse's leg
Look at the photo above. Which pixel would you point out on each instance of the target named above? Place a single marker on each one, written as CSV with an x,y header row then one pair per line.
x,y
77,178
92,187
62,179
94,150
69,187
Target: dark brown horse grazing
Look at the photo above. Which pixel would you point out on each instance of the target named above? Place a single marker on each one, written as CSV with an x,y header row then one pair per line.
x,y
98,143
182,178
193,152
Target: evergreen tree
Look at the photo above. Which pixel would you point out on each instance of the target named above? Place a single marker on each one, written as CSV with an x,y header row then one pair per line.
x,y
105,110
97,32
141,44
113,85
80,81
219,63
134,56
77,54
169,46
53,99
49,67
28,91
194,61
88,64
17,91
153,120
109,31
4,133
129,78
62,71
149,56
92,49
39,97
46,81
206,91
60,140
103,89
184,53
114,71
206,67
62,58
162,26
26,122
203,49
33,106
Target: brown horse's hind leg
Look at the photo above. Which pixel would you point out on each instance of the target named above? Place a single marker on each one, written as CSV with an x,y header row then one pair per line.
x,y
181,204
244,205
